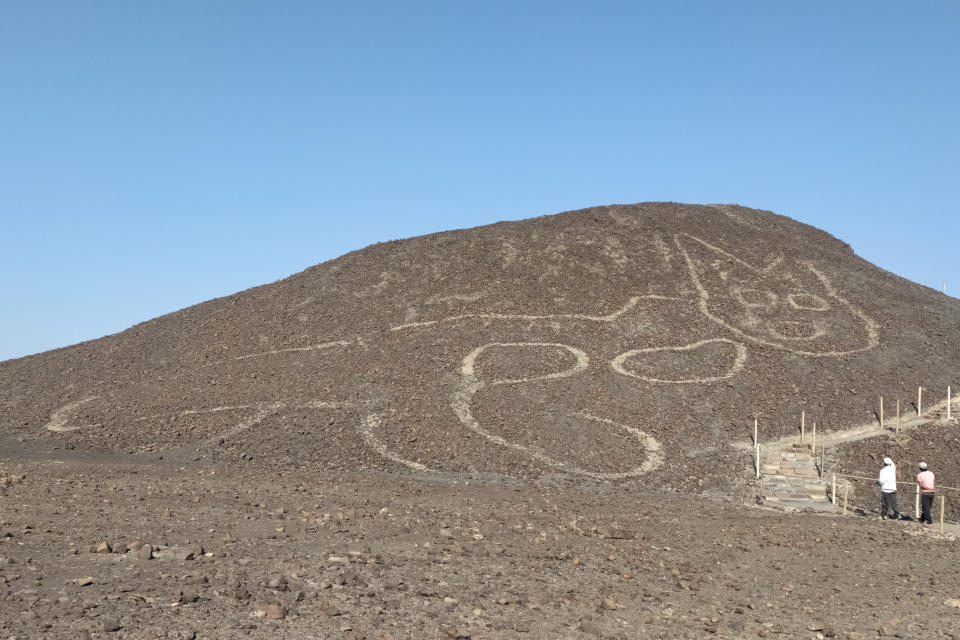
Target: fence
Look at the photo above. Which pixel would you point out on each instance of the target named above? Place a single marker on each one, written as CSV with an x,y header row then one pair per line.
x,y
848,480
942,493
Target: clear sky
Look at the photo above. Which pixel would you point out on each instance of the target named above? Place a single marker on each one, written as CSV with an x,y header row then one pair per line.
x,y
154,155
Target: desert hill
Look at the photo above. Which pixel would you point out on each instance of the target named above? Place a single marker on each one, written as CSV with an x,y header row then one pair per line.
x,y
628,343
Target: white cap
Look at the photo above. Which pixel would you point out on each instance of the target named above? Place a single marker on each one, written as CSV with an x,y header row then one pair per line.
x,y
887,461
923,465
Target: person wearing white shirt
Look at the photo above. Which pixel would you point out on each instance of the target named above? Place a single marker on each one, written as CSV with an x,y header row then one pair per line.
x,y
888,489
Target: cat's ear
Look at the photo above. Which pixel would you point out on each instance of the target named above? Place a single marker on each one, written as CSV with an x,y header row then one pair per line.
x,y
713,267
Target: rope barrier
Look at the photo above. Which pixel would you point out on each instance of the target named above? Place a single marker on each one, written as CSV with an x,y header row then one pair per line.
x,y
846,475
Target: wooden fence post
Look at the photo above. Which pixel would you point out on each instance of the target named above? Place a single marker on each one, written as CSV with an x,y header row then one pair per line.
x,y
919,400
822,452
756,446
948,403
846,491
813,439
881,412
898,416
803,417
833,494
916,505
943,507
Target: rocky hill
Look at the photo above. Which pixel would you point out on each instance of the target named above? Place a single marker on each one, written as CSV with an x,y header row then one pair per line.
x,y
628,343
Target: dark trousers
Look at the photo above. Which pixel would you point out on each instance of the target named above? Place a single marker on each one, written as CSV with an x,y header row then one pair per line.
x,y
926,502
889,503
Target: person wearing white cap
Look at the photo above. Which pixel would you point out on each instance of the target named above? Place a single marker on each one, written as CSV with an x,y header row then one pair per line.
x,y
928,489
888,489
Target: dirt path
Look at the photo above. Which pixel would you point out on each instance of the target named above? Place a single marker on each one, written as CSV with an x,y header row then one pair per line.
x,y
853,434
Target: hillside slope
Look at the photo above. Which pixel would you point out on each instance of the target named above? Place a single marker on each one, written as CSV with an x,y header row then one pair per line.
x,y
621,343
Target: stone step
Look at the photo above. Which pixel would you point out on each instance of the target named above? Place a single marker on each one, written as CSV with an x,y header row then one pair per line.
x,y
794,486
796,468
791,477
805,473
798,500
812,494
796,490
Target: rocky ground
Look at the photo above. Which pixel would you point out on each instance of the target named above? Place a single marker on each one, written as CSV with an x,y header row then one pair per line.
x,y
100,548
529,429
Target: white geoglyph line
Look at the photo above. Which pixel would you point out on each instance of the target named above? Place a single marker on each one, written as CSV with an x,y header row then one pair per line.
x,y
461,406
652,445
664,250
618,363
768,267
263,410
869,324
631,303
873,337
193,412
819,332
366,428
821,305
467,369
463,398
60,418
313,347
304,303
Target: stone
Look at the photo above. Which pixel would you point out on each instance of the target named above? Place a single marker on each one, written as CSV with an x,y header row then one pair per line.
x,y
111,625
145,552
616,533
183,554
592,628
103,547
275,612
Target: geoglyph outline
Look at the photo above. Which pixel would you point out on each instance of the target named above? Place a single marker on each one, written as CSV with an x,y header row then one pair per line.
x,y
872,339
469,385
741,358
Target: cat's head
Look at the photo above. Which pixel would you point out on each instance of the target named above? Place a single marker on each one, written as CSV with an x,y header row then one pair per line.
x,y
783,303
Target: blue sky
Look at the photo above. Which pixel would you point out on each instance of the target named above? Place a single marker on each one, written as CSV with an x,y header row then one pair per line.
x,y
156,155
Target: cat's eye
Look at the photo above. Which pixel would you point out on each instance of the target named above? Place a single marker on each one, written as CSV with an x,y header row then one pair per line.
x,y
756,298
807,302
